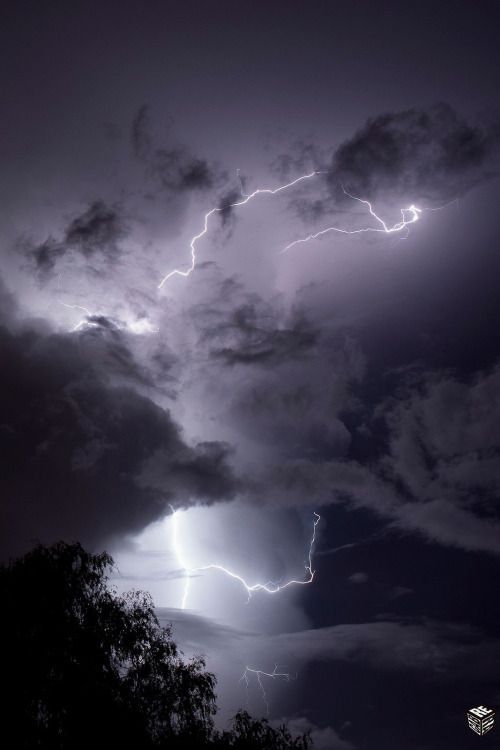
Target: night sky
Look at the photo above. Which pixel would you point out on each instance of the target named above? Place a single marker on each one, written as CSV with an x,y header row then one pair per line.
x,y
355,375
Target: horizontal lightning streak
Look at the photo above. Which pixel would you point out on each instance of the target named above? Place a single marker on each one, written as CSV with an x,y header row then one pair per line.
x,y
269,587
412,211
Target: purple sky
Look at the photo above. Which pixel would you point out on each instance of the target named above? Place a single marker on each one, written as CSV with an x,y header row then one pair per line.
x,y
356,375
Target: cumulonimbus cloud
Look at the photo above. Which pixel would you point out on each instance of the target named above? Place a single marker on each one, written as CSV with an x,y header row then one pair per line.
x,y
432,154
174,167
84,454
94,233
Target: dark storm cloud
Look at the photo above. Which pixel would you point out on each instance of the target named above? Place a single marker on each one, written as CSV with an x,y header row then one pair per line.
x,y
439,520
303,157
77,441
106,352
177,171
246,330
98,229
437,472
226,205
432,153
252,337
444,451
443,437
445,650
174,167
46,255
95,232
288,400
202,473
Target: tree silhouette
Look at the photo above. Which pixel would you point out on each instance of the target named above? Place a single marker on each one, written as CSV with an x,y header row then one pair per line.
x,y
257,734
85,668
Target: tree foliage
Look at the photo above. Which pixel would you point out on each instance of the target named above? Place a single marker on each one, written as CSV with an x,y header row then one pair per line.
x,y
257,734
84,667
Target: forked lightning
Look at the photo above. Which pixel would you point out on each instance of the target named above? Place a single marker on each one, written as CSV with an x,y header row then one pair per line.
x,y
409,215
259,674
270,587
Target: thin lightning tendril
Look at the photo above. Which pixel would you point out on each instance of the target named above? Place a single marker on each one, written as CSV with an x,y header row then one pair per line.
x,y
259,674
246,199
409,216
411,211
270,587
83,321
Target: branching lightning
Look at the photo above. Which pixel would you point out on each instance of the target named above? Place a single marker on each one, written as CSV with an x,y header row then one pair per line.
x,y
246,199
84,321
93,320
409,215
259,674
270,587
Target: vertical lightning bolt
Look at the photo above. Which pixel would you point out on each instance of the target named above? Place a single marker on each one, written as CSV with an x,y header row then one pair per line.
x,y
246,199
178,554
259,674
270,587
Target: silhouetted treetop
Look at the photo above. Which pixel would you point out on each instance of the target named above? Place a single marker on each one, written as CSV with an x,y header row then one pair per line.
x,y
86,668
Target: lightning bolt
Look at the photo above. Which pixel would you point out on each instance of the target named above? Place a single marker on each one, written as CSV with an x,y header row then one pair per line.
x,y
91,320
178,554
270,587
409,215
84,321
246,199
259,674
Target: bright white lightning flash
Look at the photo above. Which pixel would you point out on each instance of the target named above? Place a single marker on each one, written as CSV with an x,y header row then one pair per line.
x,y
259,674
270,587
246,199
84,321
138,326
408,216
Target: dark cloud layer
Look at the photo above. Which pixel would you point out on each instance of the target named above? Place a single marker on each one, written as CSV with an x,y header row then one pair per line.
x,y
236,327
432,154
97,231
251,335
99,227
359,380
175,168
435,469
226,205
354,376
84,455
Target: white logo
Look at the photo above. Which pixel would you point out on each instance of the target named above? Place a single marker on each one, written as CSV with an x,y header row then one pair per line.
x,y
481,719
